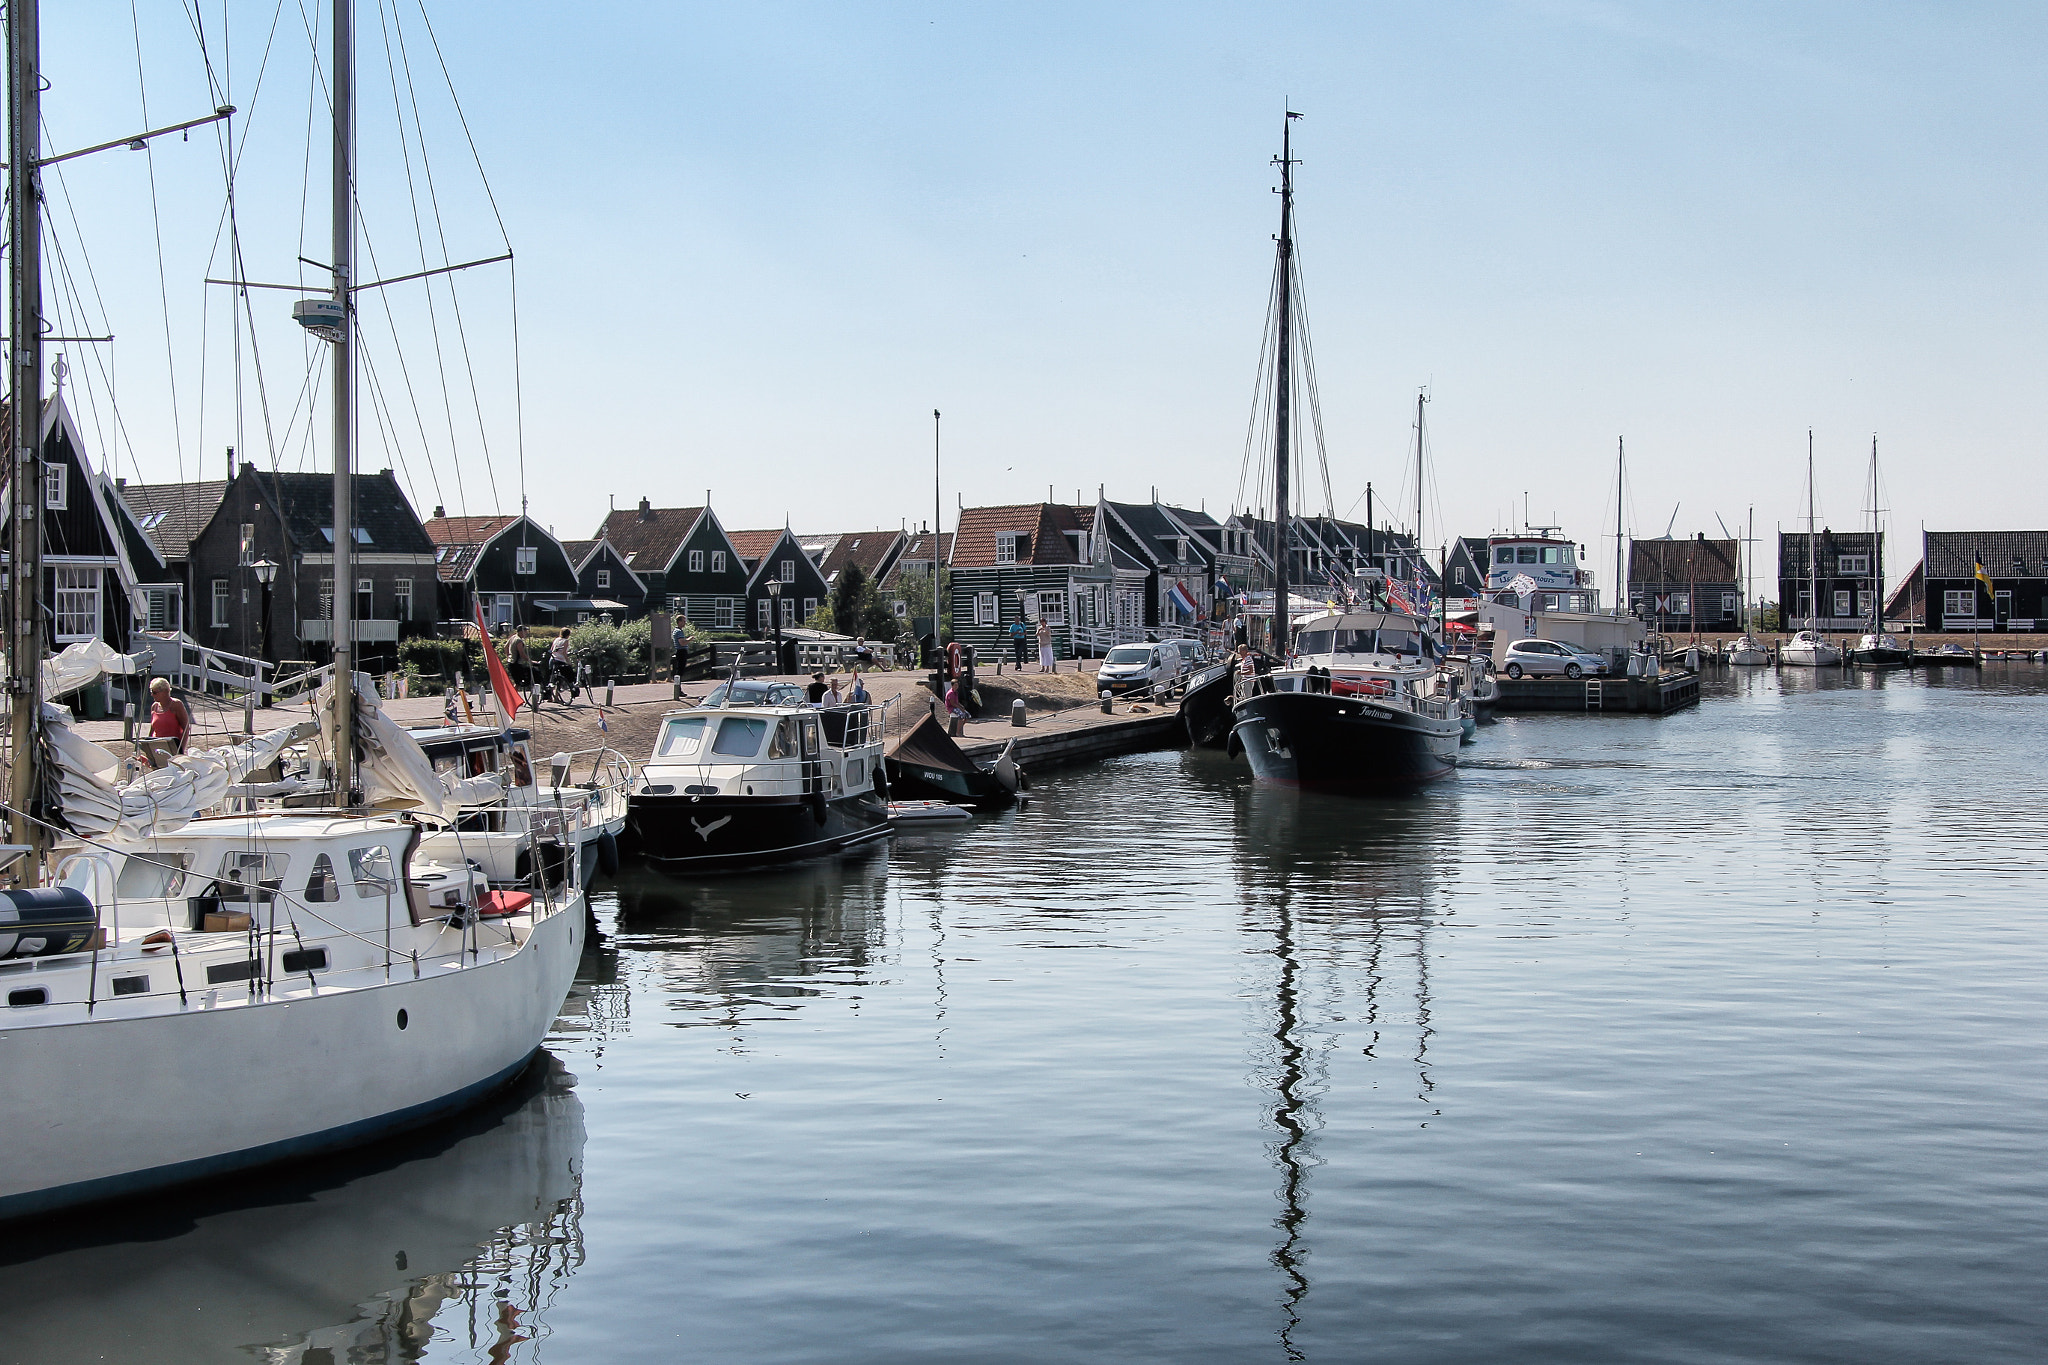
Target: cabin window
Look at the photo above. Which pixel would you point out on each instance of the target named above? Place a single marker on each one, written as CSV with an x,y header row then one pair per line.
x,y
1550,601
718,561
526,559
728,613
1526,554
144,877
696,561
1006,549
682,737
78,604
401,599
785,742
1852,566
1553,554
1504,555
1841,601
242,871
321,885
740,736
1961,603
373,870
55,493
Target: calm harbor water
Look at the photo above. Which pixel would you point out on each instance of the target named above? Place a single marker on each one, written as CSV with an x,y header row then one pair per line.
x,y
1715,1037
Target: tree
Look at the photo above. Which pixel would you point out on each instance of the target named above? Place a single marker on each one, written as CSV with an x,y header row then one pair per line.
x,y
849,596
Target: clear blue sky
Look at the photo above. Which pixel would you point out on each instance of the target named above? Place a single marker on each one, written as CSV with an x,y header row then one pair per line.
x,y
759,244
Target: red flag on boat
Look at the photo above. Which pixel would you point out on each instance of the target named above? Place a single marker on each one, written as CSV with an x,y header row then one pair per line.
x,y
501,681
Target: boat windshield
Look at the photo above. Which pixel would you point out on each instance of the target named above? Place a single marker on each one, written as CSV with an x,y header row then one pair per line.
x,y
1365,642
682,737
1414,642
1128,655
749,693
740,736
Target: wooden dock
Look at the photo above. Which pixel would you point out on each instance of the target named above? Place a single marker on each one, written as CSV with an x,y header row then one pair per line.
x,y
1656,696
1084,737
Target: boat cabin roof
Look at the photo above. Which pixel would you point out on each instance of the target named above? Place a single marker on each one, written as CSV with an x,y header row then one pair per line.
x,y
1361,620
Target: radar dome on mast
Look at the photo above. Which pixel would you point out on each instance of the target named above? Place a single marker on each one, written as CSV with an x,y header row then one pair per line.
x,y
324,318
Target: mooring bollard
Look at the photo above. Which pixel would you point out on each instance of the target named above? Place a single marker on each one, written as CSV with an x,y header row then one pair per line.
x,y
248,713
609,685
1105,705
1017,713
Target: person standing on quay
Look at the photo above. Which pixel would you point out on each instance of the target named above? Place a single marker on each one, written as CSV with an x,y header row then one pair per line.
x,y
1017,631
1045,660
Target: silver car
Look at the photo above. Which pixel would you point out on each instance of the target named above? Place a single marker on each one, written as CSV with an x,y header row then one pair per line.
x,y
1540,658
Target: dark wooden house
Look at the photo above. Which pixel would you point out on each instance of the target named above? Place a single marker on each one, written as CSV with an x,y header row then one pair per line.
x,y
778,556
512,564
603,578
288,519
97,561
1849,568
1019,563
2016,562
686,560
172,515
1685,586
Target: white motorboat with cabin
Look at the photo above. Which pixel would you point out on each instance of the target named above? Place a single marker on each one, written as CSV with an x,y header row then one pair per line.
x,y
734,787
1809,649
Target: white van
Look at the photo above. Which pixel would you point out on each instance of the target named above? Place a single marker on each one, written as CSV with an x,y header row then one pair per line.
x,y
1135,668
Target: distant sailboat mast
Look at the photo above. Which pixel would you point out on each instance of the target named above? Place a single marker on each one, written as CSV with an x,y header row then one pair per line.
x,y
1283,386
1812,545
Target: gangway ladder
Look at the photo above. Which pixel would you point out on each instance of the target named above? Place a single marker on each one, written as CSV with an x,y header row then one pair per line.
x,y
1594,701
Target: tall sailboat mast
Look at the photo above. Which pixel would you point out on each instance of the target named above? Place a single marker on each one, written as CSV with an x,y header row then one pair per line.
x,y
1421,397
1283,384
1620,546
1812,544
1876,555
25,415
343,84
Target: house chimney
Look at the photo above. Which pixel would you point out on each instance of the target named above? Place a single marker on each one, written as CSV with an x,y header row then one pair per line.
x,y
646,511
231,464
439,511
120,481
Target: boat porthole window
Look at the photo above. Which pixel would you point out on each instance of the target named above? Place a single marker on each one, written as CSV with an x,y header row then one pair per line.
x,y
402,1020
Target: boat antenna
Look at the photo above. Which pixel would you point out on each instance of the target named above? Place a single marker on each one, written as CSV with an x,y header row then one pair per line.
x,y
24,486
1282,379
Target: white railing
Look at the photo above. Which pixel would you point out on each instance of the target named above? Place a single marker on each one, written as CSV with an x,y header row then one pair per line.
x,y
1099,640
196,668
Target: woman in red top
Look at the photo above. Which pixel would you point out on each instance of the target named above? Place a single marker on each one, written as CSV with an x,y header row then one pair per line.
x,y
168,717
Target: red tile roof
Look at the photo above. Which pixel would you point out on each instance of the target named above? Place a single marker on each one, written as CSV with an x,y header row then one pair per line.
x,y
1044,522
751,545
647,538
465,530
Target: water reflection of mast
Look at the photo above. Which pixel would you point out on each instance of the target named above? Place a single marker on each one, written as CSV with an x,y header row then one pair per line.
x,y
1295,1117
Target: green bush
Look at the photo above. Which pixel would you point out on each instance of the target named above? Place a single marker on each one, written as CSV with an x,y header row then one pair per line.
x,y
605,647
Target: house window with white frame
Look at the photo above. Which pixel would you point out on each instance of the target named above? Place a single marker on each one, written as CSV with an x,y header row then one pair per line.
x,y
604,578
1960,603
984,609
718,561
77,604
401,599
728,613
1727,604
1863,605
1852,566
762,614
1006,549
526,559
788,610
788,571
697,561
1841,602
2001,604
326,599
810,605
1681,604
220,602
501,609
1052,608
55,490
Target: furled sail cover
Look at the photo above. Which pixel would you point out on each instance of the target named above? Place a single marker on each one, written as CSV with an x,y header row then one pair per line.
x,y
395,772
97,804
82,664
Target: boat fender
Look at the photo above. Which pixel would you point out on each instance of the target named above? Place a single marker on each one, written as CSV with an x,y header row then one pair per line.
x,y
1232,747
818,806
608,854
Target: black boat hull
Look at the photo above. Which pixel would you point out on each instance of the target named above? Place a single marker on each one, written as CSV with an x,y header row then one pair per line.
x,y
1206,709
1880,658
1312,739
917,782
678,833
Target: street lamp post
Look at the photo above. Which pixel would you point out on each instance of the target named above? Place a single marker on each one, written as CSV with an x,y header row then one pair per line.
x,y
775,615
266,574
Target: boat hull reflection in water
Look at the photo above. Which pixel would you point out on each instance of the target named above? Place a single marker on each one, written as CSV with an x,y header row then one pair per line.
x,y
476,1222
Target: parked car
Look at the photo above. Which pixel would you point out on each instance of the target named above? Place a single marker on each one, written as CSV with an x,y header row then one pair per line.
x,y
1134,668
1190,653
1539,658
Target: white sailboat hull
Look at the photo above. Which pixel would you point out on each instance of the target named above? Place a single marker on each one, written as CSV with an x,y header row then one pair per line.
x,y
108,1105
1809,656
